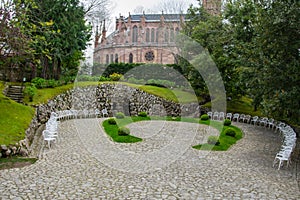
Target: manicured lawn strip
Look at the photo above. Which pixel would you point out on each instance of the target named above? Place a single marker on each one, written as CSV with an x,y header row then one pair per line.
x,y
112,131
225,141
14,119
242,105
7,163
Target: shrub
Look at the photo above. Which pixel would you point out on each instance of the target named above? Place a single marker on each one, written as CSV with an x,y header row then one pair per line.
x,y
123,131
204,117
51,83
103,78
214,140
120,115
115,76
39,82
112,121
30,91
230,132
227,122
142,114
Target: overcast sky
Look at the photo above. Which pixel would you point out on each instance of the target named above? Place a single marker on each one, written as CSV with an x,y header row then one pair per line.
x,y
125,6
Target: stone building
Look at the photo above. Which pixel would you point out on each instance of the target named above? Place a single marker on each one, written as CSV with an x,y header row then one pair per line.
x,y
143,38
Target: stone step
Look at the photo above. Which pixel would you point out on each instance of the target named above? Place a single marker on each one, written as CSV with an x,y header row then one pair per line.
x,y
15,93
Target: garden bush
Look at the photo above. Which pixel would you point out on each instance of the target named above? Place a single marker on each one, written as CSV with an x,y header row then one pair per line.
x,y
142,114
120,115
103,78
112,121
51,83
214,140
115,76
39,82
204,117
230,132
227,122
123,131
30,91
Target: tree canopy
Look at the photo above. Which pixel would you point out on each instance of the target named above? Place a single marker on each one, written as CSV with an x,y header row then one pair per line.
x,y
256,46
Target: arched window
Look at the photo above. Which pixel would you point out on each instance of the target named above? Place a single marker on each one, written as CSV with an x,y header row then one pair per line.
x,y
172,35
111,58
147,35
167,35
177,30
116,58
130,58
152,34
157,35
107,59
135,34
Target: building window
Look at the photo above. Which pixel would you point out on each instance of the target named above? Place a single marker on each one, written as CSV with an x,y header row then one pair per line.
x,y
152,34
167,35
130,58
157,35
177,30
147,35
149,56
107,59
135,34
116,58
111,58
172,35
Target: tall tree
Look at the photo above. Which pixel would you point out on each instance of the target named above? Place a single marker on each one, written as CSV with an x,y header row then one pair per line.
x,y
266,42
62,48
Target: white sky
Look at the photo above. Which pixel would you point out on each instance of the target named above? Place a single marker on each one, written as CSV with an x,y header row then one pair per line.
x,y
125,6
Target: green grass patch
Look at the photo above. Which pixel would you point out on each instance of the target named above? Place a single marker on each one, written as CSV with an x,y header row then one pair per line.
x,y
13,162
242,105
225,141
14,119
112,131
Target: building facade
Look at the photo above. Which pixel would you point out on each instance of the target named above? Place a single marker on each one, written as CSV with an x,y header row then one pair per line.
x,y
144,38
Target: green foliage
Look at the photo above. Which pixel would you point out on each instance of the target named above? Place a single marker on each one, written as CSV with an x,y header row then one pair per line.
x,y
120,115
39,82
213,140
30,91
230,132
204,117
115,76
142,114
160,83
112,131
123,131
112,121
87,78
227,122
103,78
14,119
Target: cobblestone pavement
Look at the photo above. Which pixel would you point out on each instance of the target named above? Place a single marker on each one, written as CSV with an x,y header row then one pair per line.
x,y
86,164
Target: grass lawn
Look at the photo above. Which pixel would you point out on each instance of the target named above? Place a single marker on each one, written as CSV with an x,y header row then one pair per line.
x,y
225,141
243,105
15,162
14,119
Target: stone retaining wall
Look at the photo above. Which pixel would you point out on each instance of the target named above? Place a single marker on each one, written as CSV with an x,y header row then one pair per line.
x,y
114,97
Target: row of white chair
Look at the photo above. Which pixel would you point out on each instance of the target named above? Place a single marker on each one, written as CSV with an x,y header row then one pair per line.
x,y
287,147
75,114
264,121
286,131
50,134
